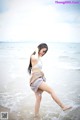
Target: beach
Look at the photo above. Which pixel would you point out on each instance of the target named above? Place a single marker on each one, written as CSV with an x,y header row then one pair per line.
x,y
61,66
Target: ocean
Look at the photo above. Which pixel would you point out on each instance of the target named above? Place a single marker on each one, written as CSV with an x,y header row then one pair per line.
x,y
61,66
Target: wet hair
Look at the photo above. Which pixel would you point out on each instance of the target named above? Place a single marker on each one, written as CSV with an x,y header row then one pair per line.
x,y
40,46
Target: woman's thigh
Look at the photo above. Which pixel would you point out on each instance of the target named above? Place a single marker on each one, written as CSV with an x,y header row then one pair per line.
x,y
45,87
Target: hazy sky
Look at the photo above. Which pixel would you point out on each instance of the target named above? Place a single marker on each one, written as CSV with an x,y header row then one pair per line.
x,y
39,20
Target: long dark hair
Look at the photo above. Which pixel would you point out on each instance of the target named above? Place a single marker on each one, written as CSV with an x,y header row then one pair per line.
x,y
40,46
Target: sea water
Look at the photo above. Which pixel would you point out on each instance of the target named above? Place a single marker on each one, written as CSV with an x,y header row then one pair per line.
x,y
61,66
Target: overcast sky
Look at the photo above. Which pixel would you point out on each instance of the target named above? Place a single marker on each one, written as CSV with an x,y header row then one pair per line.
x,y
39,20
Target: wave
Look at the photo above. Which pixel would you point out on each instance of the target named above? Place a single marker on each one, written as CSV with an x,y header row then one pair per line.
x,y
67,65
73,114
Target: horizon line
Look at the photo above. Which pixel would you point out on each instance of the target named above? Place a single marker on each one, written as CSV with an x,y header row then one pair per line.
x,y
36,41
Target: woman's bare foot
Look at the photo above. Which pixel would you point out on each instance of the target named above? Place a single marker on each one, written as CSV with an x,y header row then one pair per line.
x,y
37,117
66,108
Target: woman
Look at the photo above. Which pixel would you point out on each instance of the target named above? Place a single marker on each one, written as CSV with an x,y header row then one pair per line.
x,y
37,81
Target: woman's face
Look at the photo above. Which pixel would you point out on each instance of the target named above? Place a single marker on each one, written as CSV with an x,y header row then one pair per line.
x,y
42,52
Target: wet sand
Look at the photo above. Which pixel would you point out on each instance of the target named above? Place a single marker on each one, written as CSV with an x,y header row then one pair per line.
x,y
11,115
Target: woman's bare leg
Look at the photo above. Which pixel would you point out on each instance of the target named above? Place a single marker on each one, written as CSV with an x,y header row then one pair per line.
x,y
38,95
48,89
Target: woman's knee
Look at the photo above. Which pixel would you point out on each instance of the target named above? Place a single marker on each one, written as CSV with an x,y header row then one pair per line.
x,y
38,97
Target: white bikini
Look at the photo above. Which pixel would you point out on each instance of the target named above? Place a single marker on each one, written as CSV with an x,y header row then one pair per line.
x,y
38,65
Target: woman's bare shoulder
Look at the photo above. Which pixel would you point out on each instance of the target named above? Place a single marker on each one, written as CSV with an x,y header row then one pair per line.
x,y
34,60
34,57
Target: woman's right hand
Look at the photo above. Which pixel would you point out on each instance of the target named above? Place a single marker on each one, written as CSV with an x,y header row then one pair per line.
x,y
34,57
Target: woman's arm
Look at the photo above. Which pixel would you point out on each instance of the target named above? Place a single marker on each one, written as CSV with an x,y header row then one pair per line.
x,y
36,53
34,57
